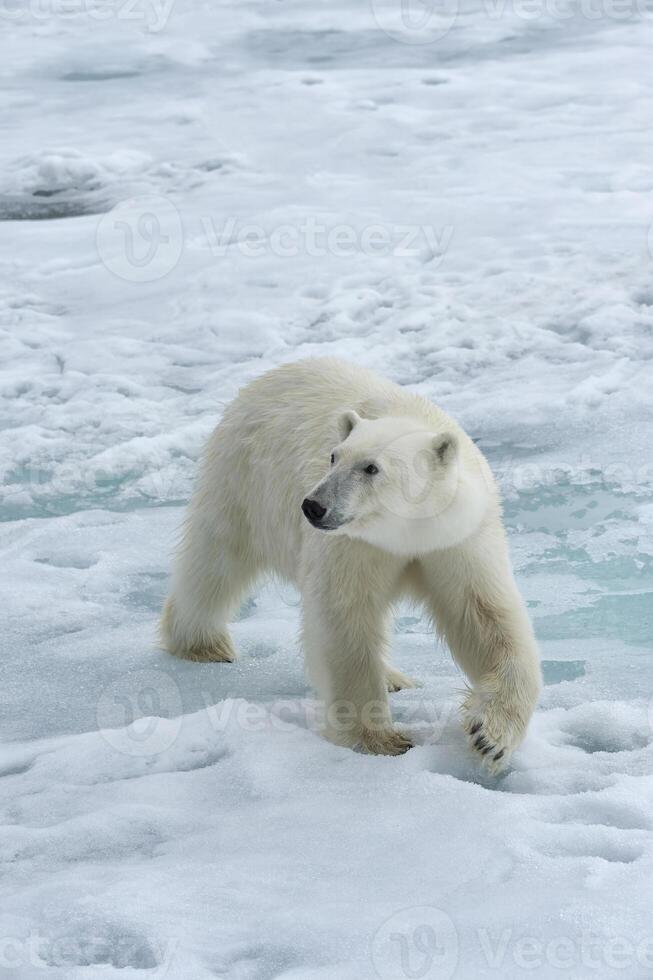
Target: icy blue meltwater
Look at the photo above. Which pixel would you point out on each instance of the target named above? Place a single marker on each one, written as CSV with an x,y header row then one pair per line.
x,y
586,567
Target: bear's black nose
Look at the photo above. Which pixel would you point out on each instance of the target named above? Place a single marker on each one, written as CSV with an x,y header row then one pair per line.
x,y
313,511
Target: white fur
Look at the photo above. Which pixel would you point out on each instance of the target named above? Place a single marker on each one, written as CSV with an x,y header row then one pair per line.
x,y
428,525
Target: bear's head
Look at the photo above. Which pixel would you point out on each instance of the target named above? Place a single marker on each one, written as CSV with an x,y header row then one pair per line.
x,y
399,485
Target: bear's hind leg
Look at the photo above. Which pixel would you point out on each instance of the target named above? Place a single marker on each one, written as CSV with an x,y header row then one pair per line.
x,y
209,581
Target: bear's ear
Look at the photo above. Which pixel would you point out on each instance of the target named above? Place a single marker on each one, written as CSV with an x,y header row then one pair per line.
x,y
347,421
445,447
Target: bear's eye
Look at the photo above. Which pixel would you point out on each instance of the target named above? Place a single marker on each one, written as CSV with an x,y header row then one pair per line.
x,y
371,469
333,458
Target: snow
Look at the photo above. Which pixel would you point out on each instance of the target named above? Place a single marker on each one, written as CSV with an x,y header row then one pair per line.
x,y
190,194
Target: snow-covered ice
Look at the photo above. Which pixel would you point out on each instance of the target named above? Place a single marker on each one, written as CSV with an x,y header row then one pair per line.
x,y
191,193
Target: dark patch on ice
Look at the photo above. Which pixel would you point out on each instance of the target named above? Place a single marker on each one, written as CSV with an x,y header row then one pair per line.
x,y
247,609
16,768
195,761
616,852
333,48
603,741
409,624
262,961
262,651
182,389
22,388
209,166
22,473
99,944
383,151
294,48
41,206
106,75
644,298
57,561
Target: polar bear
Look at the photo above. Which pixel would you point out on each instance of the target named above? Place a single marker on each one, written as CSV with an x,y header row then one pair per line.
x,y
358,492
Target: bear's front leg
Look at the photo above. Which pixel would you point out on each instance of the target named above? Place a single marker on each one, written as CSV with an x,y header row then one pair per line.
x,y
346,594
472,595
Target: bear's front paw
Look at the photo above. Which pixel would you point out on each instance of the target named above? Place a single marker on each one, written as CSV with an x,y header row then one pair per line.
x,y
396,681
494,728
383,741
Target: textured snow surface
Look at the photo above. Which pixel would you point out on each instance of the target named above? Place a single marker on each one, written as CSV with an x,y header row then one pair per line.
x,y
191,193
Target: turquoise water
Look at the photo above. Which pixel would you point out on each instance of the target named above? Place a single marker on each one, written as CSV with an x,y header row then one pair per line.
x,y
582,556
588,543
